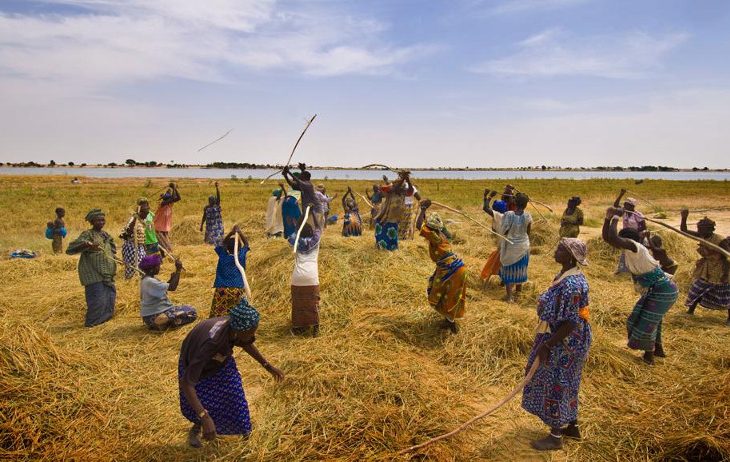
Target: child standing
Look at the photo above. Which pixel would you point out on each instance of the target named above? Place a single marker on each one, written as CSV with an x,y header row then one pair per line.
x,y
56,231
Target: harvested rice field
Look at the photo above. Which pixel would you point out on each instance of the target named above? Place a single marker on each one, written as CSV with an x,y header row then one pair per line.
x,y
381,376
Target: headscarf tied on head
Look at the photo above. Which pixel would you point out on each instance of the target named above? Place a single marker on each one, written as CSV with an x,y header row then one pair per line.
x,y
631,201
577,248
434,222
243,316
706,223
142,200
94,214
149,262
499,206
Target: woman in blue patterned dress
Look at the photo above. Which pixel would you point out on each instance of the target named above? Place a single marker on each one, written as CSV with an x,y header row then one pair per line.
x,y
515,256
211,391
561,344
213,219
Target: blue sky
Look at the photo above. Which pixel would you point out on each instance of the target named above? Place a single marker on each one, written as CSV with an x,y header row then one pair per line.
x,y
408,83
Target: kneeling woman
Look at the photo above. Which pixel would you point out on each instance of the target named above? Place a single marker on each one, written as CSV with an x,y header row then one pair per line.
x,y
157,311
562,343
211,392
447,286
658,292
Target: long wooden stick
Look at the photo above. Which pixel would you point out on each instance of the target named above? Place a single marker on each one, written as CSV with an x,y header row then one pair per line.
x,y
472,219
365,199
168,254
466,424
309,122
379,165
122,262
301,227
694,238
643,199
216,140
247,288
538,202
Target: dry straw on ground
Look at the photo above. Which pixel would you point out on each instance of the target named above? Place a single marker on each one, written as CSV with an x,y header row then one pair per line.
x,y
381,377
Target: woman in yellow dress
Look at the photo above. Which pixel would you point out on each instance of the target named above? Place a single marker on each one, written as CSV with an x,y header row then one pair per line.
x,y
447,286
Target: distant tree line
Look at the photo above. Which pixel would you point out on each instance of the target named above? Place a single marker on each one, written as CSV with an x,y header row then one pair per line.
x,y
238,165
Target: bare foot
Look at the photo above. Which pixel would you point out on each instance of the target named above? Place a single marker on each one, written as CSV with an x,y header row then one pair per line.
x,y
549,443
194,437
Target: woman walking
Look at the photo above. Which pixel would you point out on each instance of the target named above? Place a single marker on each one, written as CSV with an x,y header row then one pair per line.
x,y
658,292
561,344
447,285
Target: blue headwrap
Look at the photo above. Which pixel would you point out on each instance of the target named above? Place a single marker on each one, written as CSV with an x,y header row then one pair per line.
x,y
243,316
499,206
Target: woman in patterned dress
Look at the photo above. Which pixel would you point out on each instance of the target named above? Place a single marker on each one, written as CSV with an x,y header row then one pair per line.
x,y
228,288
213,219
561,344
447,286
658,291
133,238
515,255
351,223
211,391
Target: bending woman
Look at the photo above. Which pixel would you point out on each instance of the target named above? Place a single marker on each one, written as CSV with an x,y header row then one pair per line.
x,y
515,257
658,292
351,223
562,342
447,286
211,392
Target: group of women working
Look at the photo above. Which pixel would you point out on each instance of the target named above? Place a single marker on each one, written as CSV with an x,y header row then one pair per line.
x,y
211,393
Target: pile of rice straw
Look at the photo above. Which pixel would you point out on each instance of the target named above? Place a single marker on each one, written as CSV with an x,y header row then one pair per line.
x,y
382,375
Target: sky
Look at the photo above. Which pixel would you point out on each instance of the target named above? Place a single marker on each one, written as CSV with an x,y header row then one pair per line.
x,y
430,83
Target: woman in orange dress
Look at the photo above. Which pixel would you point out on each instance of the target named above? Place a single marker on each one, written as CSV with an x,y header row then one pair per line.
x,y
447,286
163,217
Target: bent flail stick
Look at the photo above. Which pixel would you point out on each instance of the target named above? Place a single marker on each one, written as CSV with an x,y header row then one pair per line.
x,y
644,199
216,140
472,219
365,199
309,122
236,244
122,262
379,165
494,408
301,227
694,238
538,202
168,254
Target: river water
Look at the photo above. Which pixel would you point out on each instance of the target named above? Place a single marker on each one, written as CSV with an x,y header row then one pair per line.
x,y
337,174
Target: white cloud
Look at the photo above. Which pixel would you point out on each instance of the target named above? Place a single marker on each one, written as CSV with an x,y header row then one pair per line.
x,y
113,41
556,53
521,6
